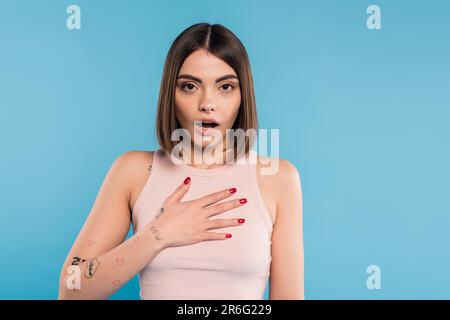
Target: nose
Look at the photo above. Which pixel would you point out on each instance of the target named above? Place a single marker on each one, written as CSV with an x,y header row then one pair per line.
x,y
207,107
206,104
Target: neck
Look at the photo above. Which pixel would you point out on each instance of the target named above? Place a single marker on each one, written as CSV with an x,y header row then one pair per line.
x,y
209,160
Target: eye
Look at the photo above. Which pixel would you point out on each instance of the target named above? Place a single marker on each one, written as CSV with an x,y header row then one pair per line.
x,y
227,87
189,87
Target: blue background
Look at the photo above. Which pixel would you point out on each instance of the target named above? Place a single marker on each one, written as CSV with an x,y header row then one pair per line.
x,y
363,114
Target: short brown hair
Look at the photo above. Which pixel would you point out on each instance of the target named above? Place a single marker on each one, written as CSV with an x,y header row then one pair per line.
x,y
222,43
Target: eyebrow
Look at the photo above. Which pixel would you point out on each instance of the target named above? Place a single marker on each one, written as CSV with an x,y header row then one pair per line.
x,y
191,77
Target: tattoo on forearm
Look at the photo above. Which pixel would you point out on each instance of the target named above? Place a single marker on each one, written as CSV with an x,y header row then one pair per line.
x,y
156,234
161,211
77,260
116,282
91,268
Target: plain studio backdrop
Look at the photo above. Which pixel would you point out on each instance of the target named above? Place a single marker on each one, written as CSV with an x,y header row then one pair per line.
x,y
363,115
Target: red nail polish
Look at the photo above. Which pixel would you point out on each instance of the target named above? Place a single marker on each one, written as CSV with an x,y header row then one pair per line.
x,y
241,220
228,235
244,200
187,180
232,190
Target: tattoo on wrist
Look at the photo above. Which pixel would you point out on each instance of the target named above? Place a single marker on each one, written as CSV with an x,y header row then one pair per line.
x,y
91,268
156,234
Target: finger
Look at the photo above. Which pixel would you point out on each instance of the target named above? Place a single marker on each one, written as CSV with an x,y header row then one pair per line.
x,y
224,223
224,206
180,191
216,196
217,236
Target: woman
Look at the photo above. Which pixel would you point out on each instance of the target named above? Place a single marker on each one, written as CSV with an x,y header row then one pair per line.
x,y
201,230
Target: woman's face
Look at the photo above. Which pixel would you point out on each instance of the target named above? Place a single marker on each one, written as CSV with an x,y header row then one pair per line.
x,y
207,90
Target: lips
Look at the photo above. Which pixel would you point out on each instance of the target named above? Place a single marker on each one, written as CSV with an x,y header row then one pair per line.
x,y
206,127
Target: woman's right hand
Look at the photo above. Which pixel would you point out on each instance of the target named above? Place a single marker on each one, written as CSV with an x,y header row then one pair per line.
x,y
182,223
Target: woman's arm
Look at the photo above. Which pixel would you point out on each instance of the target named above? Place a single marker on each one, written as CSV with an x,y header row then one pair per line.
x,y
100,262
287,268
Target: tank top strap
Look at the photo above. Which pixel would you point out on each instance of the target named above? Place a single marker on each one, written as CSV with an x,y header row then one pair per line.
x,y
252,168
155,174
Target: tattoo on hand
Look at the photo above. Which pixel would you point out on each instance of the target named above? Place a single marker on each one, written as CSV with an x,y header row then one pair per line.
x,y
156,234
77,260
91,268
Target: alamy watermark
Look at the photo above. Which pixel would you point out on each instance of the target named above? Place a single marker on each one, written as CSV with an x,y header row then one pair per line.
x,y
215,151
374,280
73,21
374,20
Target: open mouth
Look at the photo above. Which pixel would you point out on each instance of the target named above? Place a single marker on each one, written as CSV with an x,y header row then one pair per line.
x,y
205,124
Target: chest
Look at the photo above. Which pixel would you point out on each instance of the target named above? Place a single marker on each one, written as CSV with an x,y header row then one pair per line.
x,y
246,254
265,185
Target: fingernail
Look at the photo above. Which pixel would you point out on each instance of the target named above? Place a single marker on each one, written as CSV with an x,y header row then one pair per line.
x,y
241,220
243,200
228,235
232,190
187,180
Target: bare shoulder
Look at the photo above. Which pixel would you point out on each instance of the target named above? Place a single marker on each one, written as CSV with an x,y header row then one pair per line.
x,y
287,172
276,177
277,171
136,165
133,160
